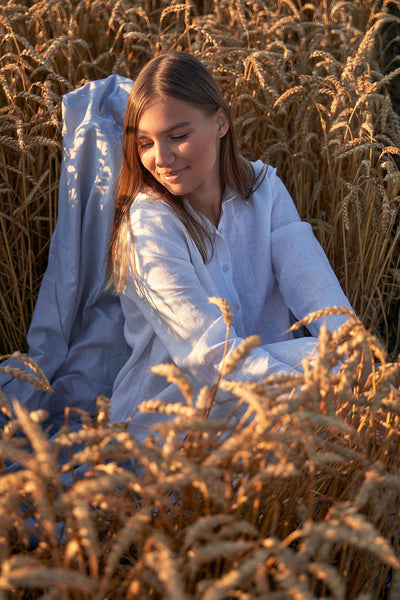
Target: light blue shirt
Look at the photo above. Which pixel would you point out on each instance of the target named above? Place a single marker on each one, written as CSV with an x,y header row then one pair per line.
x,y
265,262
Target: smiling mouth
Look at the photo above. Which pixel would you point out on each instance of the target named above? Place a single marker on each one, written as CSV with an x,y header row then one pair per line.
x,y
173,176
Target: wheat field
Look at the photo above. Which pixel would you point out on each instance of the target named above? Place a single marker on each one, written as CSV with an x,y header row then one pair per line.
x,y
309,88
301,499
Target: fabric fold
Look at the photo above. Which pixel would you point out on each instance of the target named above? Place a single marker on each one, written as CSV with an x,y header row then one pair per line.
x,y
76,332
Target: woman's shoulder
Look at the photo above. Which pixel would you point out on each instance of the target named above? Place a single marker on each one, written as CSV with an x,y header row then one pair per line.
x,y
150,204
149,200
263,171
152,213
266,185
270,193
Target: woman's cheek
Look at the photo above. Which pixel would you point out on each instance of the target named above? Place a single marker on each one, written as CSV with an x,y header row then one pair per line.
x,y
147,160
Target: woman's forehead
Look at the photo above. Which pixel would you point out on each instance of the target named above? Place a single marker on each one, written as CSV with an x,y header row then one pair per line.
x,y
165,114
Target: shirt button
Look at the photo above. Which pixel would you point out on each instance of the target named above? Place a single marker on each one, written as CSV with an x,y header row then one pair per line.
x,y
225,268
221,230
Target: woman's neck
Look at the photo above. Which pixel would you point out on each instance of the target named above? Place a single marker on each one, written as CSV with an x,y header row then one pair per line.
x,y
208,205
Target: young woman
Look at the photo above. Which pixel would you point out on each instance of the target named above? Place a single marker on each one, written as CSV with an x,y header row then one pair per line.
x,y
193,219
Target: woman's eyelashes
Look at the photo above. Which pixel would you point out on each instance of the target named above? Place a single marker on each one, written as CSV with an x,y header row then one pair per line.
x,y
181,136
146,144
143,145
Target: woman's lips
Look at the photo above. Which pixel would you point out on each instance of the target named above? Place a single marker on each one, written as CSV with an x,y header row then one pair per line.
x,y
173,176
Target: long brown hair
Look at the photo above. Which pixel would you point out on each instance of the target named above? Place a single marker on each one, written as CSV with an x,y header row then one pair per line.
x,y
176,75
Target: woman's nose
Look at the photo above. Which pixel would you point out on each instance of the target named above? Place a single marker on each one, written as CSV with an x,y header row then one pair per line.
x,y
164,156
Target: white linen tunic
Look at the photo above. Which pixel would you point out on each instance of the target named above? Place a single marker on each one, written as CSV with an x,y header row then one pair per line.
x,y
265,261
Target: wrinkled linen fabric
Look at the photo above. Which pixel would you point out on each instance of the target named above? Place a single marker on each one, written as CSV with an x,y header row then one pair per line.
x,y
265,261
77,330
76,333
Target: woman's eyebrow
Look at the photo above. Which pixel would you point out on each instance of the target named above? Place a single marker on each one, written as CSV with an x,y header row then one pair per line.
x,y
176,126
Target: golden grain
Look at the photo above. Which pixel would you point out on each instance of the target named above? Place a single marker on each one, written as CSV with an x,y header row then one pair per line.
x,y
299,498
174,375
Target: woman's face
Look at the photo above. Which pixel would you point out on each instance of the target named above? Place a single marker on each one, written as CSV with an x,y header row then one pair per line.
x,y
179,145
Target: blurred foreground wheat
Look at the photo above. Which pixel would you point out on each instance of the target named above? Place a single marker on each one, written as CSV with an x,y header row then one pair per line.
x,y
299,499
308,84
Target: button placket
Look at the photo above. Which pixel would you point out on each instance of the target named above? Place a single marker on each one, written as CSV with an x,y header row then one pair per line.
x,y
224,259
223,254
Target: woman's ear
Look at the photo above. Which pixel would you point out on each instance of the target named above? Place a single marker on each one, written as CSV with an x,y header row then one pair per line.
x,y
222,123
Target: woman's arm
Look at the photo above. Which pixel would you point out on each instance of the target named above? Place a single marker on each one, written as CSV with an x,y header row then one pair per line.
x,y
305,276
172,289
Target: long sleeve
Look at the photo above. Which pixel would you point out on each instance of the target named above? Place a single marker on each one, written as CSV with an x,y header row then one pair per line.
x,y
265,262
305,277
172,292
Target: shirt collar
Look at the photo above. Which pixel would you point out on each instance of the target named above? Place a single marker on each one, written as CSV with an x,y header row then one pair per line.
x,y
228,196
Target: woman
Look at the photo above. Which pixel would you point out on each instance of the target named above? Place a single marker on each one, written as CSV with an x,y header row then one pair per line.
x,y
193,219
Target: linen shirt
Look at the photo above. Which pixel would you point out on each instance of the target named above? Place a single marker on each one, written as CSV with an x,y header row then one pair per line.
x,y
265,262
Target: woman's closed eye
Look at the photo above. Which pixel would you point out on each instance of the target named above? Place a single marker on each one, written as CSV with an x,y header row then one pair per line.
x,y
181,136
144,144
